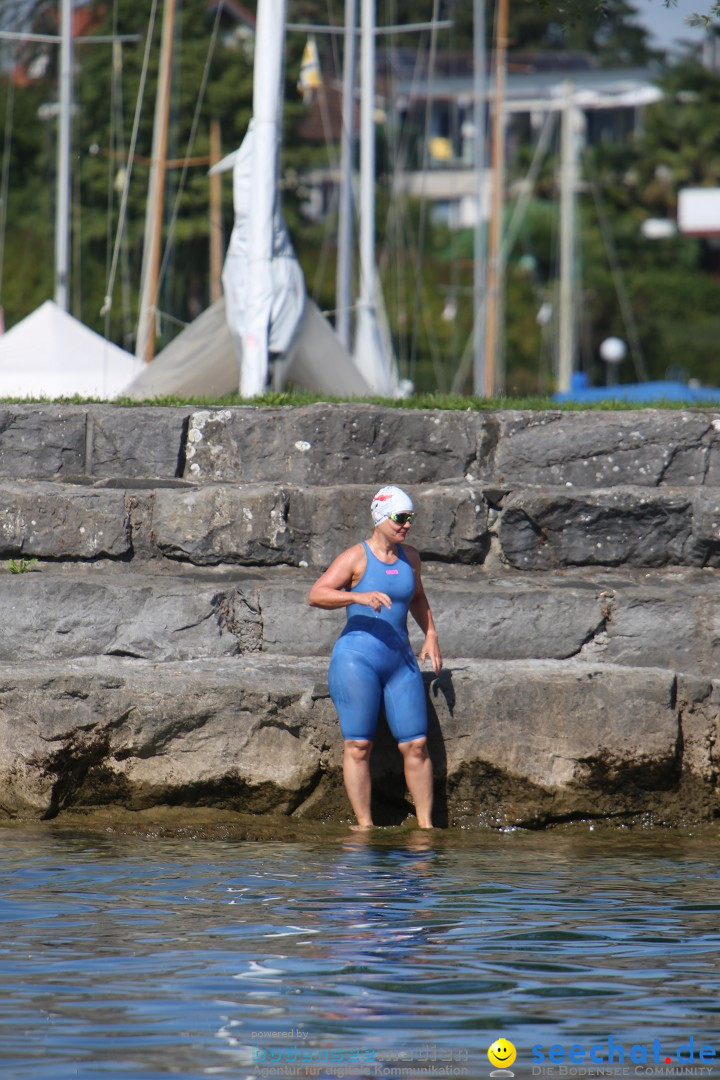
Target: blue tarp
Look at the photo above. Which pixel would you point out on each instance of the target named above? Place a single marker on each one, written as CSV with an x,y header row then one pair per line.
x,y
660,390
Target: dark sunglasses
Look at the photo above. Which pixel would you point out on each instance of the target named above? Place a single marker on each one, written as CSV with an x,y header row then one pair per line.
x,y
402,519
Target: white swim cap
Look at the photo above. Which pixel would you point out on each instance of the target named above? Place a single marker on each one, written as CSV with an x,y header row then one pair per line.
x,y
390,500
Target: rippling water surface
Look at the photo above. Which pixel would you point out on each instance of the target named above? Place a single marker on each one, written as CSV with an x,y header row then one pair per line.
x,y
150,957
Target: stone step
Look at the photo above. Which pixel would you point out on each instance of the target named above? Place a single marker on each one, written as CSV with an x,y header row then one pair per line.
x,y
350,443
161,650
545,528
362,444
513,742
528,529
667,619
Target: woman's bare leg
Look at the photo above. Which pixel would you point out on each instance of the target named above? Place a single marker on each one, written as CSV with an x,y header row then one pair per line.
x,y
419,779
356,774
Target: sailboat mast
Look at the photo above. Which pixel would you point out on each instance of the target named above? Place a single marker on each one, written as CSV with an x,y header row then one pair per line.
x,y
62,202
568,187
145,343
267,104
366,300
495,268
343,287
480,237
370,353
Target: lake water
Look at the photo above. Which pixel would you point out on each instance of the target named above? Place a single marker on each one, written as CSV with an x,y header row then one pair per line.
x,y
391,953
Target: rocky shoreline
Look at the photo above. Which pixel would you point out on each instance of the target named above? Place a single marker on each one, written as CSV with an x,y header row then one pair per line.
x,y
157,650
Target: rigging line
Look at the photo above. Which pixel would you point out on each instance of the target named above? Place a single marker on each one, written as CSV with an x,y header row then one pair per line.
x,y
389,267
451,349
168,317
468,356
432,344
626,311
330,144
190,143
333,165
423,200
398,225
322,260
397,212
107,303
520,209
5,181
511,234
406,134
115,76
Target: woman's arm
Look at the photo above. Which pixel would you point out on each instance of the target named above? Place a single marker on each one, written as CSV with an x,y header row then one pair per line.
x,y
330,591
420,611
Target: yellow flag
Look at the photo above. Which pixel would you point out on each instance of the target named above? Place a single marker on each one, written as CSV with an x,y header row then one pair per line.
x,y
310,77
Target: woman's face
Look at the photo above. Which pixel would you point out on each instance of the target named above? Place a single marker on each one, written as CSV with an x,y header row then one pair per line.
x,y
393,530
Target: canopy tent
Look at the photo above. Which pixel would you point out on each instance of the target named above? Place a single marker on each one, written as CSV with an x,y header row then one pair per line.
x,y
658,390
50,354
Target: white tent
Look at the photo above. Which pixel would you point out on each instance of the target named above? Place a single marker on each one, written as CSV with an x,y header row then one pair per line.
x,y
202,361
51,354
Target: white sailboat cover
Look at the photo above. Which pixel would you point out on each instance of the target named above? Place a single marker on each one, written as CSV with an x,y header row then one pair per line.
x,y
288,284
51,354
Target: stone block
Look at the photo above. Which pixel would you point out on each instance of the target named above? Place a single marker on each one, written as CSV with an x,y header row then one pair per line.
x,y
336,444
543,529
134,734
672,625
593,449
153,617
58,521
42,441
451,523
509,620
256,525
221,523
136,441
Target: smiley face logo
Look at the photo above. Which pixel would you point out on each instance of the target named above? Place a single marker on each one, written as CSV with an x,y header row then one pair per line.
x,y
502,1053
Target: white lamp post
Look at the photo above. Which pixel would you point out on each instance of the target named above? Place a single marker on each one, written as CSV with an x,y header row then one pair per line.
x,y
613,351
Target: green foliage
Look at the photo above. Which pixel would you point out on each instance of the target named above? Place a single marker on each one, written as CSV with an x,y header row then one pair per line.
x,y
426,270
20,566
604,28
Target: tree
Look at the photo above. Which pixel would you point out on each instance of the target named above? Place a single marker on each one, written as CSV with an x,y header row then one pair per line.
x,y
106,95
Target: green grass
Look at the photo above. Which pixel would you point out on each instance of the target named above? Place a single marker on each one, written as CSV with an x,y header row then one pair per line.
x,y
20,566
419,401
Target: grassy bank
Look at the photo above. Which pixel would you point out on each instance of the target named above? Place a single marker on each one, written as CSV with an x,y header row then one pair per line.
x,y
419,401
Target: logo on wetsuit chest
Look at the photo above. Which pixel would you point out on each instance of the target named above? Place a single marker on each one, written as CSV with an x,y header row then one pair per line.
x,y
392,571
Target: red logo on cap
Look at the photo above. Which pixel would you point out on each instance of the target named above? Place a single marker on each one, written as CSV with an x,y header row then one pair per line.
x,y
381,498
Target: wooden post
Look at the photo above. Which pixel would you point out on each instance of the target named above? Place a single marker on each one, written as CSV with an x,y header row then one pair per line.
x,y
145,344
216,244
495,275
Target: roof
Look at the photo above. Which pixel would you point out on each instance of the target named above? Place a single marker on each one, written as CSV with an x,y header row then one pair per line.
x,y
591,87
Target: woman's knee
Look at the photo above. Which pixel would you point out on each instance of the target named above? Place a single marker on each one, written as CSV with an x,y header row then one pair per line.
x,y
415,749
358,749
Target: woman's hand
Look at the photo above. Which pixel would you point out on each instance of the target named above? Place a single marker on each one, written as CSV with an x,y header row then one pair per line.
x,y
431,651
375,600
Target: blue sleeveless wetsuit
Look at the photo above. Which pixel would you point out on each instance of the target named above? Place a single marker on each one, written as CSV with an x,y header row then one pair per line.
x,y
373,660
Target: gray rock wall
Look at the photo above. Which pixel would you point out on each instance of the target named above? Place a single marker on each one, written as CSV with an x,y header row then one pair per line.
x,y
169,656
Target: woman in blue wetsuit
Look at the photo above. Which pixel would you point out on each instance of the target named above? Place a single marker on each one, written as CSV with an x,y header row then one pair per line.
x,y
379,581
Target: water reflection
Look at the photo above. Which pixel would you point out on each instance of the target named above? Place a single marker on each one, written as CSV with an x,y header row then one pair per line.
x,y
140,957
